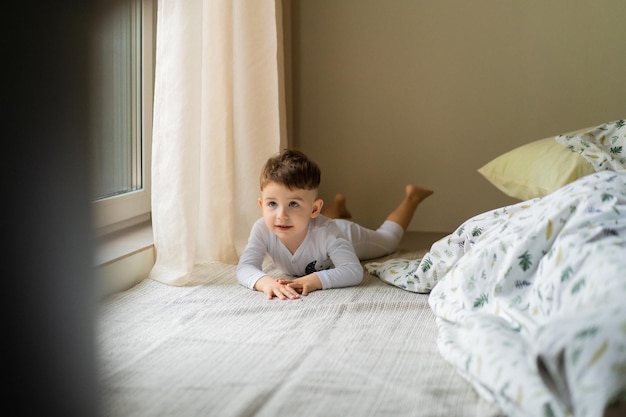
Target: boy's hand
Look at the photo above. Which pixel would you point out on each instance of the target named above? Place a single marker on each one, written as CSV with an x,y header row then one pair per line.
x,y
273,287
303,285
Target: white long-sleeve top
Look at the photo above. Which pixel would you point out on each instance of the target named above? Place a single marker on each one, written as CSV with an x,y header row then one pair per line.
x,y
325,250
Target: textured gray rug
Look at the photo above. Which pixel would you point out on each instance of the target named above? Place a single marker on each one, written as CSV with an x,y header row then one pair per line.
x,y
215,348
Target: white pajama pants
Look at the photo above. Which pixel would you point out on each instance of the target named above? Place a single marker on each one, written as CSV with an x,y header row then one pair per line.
x,y
369,243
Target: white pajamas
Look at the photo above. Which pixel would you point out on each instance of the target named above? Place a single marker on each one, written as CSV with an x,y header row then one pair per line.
x,y
332,248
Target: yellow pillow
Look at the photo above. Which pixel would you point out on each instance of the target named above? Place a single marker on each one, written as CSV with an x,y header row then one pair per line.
x,y
535,169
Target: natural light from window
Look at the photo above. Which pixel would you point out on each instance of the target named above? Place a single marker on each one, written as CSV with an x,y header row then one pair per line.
x,y
121,113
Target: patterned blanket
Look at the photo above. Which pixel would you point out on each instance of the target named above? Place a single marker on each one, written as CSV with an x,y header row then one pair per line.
x,y
530,299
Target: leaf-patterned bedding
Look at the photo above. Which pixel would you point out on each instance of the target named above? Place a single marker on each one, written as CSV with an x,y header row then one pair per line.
x,y
530,299
603,146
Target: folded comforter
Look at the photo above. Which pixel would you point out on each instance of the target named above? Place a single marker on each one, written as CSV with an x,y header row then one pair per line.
x,y
530,299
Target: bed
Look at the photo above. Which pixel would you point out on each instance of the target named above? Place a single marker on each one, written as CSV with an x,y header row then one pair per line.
x,y
521,311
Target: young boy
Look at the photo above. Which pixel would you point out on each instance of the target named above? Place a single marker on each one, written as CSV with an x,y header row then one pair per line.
x,y
321,250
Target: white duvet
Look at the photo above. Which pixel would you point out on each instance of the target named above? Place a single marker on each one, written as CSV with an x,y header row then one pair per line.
x,y
530,299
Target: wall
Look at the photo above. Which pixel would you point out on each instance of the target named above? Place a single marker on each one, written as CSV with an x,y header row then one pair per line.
x,y
390,92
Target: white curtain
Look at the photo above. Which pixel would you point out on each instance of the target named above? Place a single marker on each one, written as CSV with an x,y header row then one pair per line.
x,y
218,114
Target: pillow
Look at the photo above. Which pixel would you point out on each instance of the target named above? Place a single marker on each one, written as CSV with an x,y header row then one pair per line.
x,y
603,146
536,169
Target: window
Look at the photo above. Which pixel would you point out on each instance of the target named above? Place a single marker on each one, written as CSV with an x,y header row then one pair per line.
x,y
121,120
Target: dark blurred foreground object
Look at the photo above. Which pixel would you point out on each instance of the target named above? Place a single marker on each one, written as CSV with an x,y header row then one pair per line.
x,y
49,293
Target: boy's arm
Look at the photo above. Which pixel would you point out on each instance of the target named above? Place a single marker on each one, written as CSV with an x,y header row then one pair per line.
x,y
249,267
347,271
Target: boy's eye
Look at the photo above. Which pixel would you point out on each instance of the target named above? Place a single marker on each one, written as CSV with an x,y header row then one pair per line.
x,y
272,204
293,204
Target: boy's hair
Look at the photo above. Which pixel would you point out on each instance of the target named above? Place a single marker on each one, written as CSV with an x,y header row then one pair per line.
x,y
293,169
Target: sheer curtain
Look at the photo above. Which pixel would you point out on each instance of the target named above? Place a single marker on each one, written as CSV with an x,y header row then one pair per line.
x,y
218,114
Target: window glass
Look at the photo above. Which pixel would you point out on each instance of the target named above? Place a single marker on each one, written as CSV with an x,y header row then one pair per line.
x,y
122,74
116,105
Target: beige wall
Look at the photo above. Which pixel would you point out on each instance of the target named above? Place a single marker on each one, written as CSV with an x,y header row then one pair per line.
x,y
390,92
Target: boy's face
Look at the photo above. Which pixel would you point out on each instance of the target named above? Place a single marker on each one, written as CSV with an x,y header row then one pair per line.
x,y
287,213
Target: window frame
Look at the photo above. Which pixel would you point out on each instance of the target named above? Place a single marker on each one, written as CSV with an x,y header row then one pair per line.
x,y
114,213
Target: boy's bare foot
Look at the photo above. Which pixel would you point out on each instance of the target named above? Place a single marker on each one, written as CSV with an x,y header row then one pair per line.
x,y
337,208
417,194
403,214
